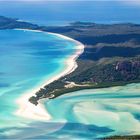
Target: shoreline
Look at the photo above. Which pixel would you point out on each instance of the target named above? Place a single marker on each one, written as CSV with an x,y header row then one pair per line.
x,y
30,111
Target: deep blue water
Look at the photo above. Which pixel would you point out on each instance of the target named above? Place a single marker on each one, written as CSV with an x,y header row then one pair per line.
x,y
64,12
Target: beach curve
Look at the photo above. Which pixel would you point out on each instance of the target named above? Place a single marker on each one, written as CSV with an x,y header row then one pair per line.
x,y
39,112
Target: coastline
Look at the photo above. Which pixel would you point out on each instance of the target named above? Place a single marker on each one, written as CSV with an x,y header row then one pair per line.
x,y
42,114
39,112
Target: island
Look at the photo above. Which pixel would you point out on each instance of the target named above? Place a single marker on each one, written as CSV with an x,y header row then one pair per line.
x,y
111,55
111,58
131,137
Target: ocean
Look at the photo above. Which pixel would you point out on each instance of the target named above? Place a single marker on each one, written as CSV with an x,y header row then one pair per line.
x,y
64,12
28,58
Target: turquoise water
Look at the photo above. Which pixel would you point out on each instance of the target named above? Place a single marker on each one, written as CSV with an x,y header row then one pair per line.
x,y
27,59
86,115
97,113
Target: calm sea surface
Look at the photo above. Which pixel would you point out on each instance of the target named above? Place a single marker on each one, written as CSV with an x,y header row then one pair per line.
x,y
64,12
27,59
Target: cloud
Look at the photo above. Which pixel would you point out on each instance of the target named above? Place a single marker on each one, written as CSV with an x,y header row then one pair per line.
x,y
131,2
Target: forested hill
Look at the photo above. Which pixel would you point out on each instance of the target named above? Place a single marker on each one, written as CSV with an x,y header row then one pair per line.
x,y
111,56
10,23
100,40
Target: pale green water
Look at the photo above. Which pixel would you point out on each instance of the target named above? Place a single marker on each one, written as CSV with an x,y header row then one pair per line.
x,y
110,111
86,115
27,58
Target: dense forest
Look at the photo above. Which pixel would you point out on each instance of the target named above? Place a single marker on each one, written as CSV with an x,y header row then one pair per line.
x,y
111,56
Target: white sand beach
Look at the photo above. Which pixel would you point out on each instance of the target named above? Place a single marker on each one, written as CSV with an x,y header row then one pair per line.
x,y
39,112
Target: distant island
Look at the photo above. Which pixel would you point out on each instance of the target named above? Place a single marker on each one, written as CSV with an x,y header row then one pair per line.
x,y
111,56
131,137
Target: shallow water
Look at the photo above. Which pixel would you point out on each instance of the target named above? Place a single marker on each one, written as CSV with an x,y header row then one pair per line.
x,y
86,115
27,59
110,111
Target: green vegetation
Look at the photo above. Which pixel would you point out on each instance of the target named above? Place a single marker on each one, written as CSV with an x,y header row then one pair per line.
x,y
90,86
60,91
10,23
131,137
111,56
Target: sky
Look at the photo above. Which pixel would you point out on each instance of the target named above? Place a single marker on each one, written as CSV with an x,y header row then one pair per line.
x,y
135,2
66,11
127,2
71,0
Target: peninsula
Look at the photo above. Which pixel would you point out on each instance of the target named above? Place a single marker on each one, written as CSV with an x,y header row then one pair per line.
x,y
111,56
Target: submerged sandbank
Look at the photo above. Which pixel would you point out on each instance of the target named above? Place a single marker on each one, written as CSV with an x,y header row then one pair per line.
x,y
39,112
